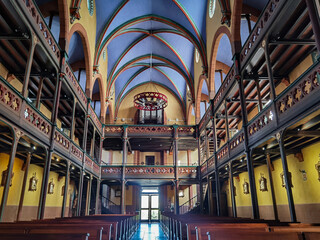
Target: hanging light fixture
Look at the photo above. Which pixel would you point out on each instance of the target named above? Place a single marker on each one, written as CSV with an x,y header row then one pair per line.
x,y
150,100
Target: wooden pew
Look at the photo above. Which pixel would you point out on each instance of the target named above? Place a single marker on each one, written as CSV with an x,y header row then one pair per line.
x,y
51,236
247,235
96,232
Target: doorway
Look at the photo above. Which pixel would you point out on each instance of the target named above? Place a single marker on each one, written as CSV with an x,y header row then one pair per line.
x,y
150,160
149,207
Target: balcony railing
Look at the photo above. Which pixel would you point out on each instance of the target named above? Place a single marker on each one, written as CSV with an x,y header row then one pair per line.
x,y
150,172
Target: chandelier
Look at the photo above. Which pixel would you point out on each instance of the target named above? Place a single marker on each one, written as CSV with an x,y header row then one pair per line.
x,y
150,100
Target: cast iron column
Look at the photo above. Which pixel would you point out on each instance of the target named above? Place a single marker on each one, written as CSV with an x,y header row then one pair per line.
x,y
123,174
233,199
176,177
280,138
66,186
254,199
314,21
16,138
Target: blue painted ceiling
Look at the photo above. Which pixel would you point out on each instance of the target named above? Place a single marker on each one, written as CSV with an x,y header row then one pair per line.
x,y
150,41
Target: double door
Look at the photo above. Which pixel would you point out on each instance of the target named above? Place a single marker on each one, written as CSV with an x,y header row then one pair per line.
x,y
149,207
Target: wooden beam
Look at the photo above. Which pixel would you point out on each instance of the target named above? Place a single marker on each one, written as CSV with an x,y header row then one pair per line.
x,y
303,133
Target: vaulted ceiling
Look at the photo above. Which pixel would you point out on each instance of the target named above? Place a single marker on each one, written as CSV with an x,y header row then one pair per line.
x,y
150,41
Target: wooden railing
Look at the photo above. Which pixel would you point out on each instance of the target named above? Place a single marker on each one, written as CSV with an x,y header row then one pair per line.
x,y
150,172
38,21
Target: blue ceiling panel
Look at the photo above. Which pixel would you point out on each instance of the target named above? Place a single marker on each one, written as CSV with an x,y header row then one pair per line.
x,y
224,51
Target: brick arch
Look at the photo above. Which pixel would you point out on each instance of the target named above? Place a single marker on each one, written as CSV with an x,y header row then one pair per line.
x,y
77,27
236,26
198,99
64,23
213,61
189,113
102,93
110,119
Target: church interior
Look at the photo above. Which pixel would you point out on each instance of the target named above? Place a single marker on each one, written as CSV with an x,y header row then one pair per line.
x,y
119,113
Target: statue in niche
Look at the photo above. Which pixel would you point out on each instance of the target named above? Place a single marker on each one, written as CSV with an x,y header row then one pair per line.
x,y
51,187
245,187
283,181
4,177
318,169
33,183
263,183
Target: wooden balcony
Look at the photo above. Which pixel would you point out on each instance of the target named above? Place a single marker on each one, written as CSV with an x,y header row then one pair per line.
x,y
149,172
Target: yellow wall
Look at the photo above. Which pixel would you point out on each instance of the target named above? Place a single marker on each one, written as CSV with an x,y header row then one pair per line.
x,y
304,192
89,23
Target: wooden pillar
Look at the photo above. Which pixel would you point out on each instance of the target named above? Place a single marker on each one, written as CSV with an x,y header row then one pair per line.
x,y
176,197
5,194
280,138
233,199
176,174
260,106
200,189
54,116
97,196
217,185
73,121
80,191
274,203
34,41
254,199
39,92
314,18
123,174
88,200
210,197
273,94
24,184
66,186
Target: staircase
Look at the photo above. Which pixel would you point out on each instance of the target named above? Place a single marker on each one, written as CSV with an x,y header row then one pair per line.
x,y
109,207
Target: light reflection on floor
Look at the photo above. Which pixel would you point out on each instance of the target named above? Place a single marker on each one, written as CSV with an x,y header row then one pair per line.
x,y
149,232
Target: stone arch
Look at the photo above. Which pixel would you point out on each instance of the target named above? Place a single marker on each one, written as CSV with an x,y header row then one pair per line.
x,y
87,55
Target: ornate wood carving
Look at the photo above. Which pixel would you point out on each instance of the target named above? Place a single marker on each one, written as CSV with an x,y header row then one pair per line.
x,y
61,140
299,91
36,120
259,29
36,16
262,121
76,86
9,99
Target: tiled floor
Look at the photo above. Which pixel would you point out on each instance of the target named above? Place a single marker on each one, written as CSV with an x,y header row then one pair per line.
x,y
149,232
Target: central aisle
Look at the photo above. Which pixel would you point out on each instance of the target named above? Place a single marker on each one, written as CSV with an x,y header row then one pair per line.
x,y
149,232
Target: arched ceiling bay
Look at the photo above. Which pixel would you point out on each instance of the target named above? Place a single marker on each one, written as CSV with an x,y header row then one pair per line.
x,y
149,40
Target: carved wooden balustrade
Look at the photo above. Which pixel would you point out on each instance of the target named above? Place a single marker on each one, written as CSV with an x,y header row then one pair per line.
x,y
91,166
262,26
95,119
149,130
149,172
73,82
224,88
206,117
33,14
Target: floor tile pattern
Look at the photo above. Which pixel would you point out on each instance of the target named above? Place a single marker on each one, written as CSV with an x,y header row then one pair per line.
x,y
149,232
